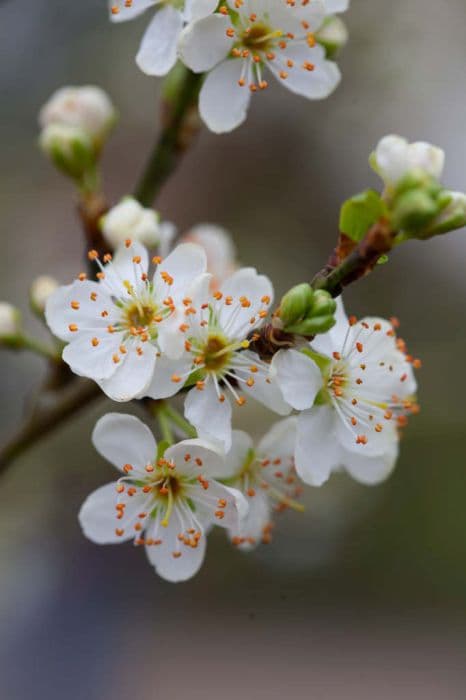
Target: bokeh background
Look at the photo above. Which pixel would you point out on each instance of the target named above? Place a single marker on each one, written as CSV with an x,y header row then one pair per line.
x,y
362,597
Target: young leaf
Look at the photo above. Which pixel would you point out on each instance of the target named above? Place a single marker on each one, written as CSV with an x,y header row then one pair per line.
x,y
359,213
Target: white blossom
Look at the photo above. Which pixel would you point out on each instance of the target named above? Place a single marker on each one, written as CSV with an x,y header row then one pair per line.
x,y
166,503
217,362
129,219
40,290
10,320
158,50
394,158
121,329
88,108
354,390
266,477
236,46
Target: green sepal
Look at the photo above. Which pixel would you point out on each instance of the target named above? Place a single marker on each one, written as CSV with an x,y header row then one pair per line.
x,y
361,212
162,446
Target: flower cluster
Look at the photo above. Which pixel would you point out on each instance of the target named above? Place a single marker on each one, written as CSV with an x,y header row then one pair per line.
x,y
236,44
177,331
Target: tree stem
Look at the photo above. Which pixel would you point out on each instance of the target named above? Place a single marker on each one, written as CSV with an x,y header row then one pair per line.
x,y
177,135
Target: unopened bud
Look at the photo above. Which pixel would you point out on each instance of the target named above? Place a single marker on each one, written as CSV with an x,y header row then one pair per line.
x,y
333,35
88,108
295,305
10,322
323,304
394,158
414,210
39,292
313,326
452,216
129,219
70,148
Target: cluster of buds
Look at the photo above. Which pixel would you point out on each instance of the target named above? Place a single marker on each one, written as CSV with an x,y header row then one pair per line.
x,y
75,123
306,311
418,204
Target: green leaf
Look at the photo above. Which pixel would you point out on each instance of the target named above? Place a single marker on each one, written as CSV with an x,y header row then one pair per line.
x,y
382,260
359,213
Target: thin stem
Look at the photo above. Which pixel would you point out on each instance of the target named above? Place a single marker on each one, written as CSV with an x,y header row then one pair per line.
x,y
180,422
164,424
27,342
176,136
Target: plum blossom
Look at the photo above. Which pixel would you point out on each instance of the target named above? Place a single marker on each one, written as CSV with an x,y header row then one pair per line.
x,y
217,363
266,477
164,502
158,50
395,157
129,219
120,329
244,37
354,387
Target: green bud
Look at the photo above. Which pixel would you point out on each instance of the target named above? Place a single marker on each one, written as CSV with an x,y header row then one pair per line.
x,y
414,210
71,149
323,304
312,326
332,35
452,215
296,304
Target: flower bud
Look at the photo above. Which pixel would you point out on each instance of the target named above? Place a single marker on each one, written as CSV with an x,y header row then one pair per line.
x,y
333,35
39,292
452,216
312,326
323,304
129,219
10,322
414,210
88,108
70,148
394,158
295,305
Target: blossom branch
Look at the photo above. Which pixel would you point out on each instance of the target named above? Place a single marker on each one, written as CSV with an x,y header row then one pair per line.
x,y
180,127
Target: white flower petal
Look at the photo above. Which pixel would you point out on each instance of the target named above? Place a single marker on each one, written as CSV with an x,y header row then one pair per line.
x,y
428,158
183,265
251,528
205,43
219,248
59,313
162,386
371,470
133,372
93,361
197,9
196,456
391,156
174,568
266,389
97,516
241,445
123,269
223,104
317,450
279,442
298,377
123,439
157,53
210,416
314,84
236,322
127,13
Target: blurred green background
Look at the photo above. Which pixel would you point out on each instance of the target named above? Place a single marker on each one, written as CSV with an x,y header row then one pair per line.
x,y
364,596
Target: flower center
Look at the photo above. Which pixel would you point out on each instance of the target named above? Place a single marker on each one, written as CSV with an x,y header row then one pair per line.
x,y
217,352
139,315
260,36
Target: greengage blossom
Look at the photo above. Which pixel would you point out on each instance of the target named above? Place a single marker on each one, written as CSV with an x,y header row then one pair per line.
x,y
129,219
244,37
217,361
354,387
164,502
120,329
158,51
266,477
395,157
